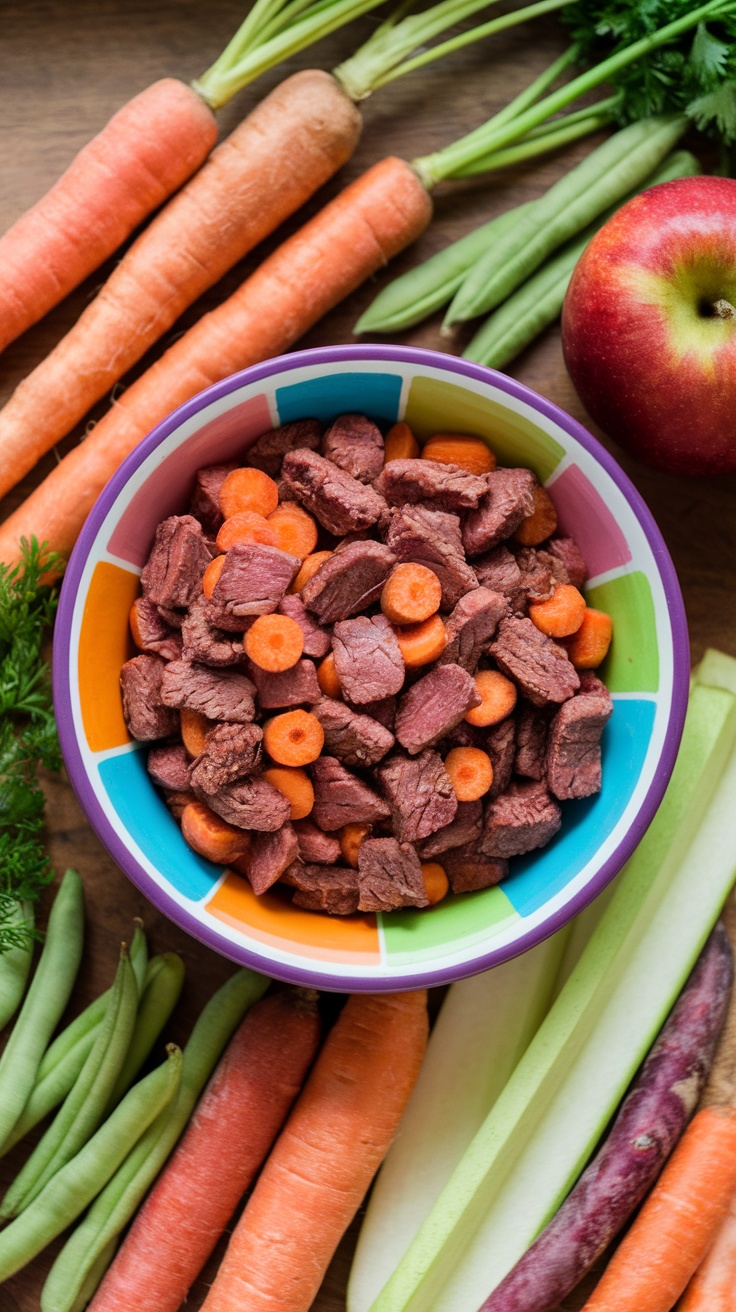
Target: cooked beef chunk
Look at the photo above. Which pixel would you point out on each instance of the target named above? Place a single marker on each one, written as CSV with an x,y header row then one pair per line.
x,y
172,575
336,499
269,450
251,804
355,444
432,538
500,743
354,739
177,800
434,705
270,855
153,634
287,687
204,643
169,767
389,876
539,575
532,726
231,751
317,641
468,869
465,735
315,845
145,714
368,659
349,581
205,502
520,819
324,888
465,828
471,626
218,694
420,794
569,554
538,664
443,487
342,799
574,753
499,571
383,710
254,578
509,499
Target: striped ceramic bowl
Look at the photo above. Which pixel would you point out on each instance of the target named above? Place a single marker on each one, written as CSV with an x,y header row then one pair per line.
x,y
631,577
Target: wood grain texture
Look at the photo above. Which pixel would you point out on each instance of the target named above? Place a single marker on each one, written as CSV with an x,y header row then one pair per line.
x,y
66,68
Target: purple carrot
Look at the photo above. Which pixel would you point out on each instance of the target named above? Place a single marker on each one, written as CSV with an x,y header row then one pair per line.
x,y
649,1124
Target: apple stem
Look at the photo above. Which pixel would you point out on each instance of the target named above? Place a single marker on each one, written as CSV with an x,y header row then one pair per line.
x,y
724,309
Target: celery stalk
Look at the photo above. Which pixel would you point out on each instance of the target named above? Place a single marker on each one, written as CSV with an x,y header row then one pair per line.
x,y
482,1030
545,1124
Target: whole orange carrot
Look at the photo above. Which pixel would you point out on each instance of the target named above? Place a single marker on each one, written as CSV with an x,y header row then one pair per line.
x,y
291,143
352,237
677,1223
326,1156
713,1287
235,1123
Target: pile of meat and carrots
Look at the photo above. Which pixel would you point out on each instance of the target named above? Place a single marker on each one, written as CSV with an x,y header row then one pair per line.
x,y
367,669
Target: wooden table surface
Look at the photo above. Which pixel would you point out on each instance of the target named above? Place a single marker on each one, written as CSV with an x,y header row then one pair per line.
x,y
66,67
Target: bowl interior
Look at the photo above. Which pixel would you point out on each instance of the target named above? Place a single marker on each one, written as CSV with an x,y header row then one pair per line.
x,y
631,577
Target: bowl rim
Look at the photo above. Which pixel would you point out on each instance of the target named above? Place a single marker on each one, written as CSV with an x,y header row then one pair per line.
x,y
332,980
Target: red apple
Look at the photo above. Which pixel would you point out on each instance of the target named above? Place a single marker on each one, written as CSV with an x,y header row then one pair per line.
x,y
649,326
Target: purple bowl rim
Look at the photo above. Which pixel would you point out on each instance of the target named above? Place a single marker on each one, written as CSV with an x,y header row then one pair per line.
x,y
120,853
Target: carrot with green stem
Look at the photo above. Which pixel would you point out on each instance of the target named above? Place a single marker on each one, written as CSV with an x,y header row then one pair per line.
x,y
326,1156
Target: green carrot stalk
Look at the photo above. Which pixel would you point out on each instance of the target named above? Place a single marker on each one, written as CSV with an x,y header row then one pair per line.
x,y
538,302
551,136
602,179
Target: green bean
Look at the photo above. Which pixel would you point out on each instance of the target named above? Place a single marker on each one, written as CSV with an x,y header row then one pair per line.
x,y
539,301
73,1187
45,1001
620,164
84,1107
15,965
116,1204
65,1057
96,1272
164,980
420,291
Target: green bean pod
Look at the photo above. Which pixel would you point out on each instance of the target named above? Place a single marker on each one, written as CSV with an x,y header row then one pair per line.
x,y
84,1107
164,981
604,177
422,290
65,1057
538,302
72,1188
116,1204
45,1001
15,965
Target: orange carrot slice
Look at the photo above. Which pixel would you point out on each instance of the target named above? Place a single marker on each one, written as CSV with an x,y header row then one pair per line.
x,y
274,642
296,785
294,529
351,837
471,772
248,489
400,444
589,644
194,730
309,567
542,522
562,614
466,452
327,677
411,594
421,643
245,526
210,836
212,574
294,738
435,881
498,696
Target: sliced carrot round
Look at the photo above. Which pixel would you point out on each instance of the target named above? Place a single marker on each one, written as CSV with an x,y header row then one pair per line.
x,y
274,642
309,568
248,489
470,771
294,738
327,677
400,444
411,594
296,785
435,881
562,614
421,643
135,627
498,698
194,730
469,453
295,530
245,526
211,575
210,836
589,645
351,837
542,522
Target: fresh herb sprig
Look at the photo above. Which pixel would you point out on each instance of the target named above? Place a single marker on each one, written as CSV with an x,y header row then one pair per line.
x,y
28,735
